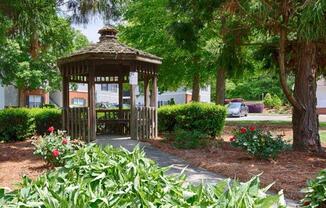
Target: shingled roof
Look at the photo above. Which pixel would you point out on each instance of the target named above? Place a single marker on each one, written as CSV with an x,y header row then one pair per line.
x,y
110,48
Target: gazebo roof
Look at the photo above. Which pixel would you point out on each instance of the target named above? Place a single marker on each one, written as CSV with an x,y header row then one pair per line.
x,y
109,48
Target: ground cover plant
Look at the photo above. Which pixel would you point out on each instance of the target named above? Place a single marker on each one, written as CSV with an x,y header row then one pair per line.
x,y
258,143
109,177
315,194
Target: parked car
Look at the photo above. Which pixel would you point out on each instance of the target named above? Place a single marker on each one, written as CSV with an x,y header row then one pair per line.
x,y
237,109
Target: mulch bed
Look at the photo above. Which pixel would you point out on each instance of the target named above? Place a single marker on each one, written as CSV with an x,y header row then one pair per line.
x,y
289,171
17,160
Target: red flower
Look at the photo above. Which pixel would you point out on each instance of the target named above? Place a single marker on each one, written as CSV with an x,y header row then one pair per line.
x,y
306,203
252,128
51,129
65,141
232,139
243,130
55,153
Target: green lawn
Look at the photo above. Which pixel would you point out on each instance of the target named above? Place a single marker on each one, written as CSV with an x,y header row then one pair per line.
x,y
267,123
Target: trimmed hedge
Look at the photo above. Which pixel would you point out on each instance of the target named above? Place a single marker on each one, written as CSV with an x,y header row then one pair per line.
x,y
256,107
201,117
16,124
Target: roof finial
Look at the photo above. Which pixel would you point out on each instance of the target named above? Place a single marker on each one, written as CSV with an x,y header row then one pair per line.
x,y
107,32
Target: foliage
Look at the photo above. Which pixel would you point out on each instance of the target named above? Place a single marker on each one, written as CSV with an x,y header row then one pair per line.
x,y
255,107
45,117
201,117
55,147
258,143
33,37
20,123
189,139
15,124
272,101
110,177
315,195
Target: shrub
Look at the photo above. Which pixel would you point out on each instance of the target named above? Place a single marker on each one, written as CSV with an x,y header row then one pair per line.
x,y
109,177
255,107
315,195
45,117
201,117
15,124
167,117
189,139
258,143
55,147
272,101
19,123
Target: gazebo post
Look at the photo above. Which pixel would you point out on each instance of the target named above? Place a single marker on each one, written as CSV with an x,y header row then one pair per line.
x,y
133,109
146,92
154,102
65,101
120,92
91,106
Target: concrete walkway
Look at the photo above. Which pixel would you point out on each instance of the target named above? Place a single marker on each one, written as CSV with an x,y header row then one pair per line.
x,y
195,175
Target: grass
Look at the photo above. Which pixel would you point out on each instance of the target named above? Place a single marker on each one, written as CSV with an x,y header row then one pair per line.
x,y
322,135
268,123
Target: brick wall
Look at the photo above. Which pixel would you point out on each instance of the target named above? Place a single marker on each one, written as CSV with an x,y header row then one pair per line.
x,y
24,94
76,94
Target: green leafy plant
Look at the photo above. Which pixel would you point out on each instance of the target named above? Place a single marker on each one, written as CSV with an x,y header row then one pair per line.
x,y
201,117
258,143
45,117
110,177
315,195
272,101
55,147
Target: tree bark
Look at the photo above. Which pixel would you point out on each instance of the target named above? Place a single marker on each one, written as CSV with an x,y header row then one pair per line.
x,y
220,86
196,87
305,122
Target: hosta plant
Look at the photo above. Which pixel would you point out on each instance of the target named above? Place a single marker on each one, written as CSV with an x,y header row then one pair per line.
x,y
110,177
54,147
258,143
315,193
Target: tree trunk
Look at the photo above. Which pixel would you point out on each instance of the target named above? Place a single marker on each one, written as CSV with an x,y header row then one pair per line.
x,y
196,87
220,86
305,121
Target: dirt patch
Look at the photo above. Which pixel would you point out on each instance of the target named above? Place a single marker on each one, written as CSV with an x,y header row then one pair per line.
x,y
289,171
17,160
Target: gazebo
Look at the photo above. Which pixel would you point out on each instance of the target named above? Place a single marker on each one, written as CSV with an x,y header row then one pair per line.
x,y
110,62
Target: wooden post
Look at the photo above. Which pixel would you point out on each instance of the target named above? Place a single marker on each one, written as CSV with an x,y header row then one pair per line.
x,y
91,106
120,92
146,92
65,102
154,103
133,109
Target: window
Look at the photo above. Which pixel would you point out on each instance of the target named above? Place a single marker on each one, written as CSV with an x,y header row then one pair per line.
x,y
109,87
104,87
78,101
34,101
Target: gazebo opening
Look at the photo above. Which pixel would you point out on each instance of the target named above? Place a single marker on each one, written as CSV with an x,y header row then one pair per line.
x,y
110,62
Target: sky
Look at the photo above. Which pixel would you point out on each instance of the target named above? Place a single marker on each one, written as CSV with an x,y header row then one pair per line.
x,y
91,29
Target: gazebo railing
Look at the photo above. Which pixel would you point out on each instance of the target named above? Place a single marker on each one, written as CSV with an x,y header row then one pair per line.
x,y
146,122
113,121
75,122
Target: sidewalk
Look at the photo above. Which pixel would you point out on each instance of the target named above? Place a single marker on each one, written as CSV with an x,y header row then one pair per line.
x,y
195,175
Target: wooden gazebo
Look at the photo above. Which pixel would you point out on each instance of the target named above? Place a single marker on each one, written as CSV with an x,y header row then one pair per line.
x,y
108,62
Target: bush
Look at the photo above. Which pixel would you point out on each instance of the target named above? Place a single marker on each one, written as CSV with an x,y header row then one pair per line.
x,y
258,143
55,147
315,194
15,124
272,101
45,117
201,117
189,139
109,177
255,107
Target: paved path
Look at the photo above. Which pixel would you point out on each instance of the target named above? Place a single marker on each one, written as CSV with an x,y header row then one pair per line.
x,y
195,175
269,117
